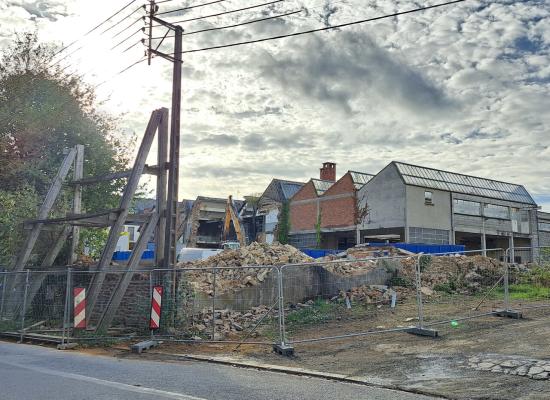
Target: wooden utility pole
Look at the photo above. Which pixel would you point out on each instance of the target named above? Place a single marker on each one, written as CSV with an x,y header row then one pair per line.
x,y
172,210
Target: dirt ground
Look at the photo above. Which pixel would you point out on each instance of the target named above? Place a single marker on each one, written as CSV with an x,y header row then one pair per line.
x,y
436,366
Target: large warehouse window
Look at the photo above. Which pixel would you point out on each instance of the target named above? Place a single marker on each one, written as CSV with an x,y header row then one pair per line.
x,y
544,226
494,211
467,207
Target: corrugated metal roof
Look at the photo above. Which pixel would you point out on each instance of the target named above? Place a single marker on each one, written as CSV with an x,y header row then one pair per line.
x,y
321,186
458,183
360,178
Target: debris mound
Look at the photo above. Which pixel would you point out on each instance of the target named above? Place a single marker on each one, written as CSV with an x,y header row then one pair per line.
x,y
235,277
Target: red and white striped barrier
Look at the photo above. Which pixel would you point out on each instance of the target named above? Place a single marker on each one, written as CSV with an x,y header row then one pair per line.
x,y
156,304
79,308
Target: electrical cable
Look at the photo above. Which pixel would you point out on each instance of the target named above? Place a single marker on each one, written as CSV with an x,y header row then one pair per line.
x,y
326,28
189,8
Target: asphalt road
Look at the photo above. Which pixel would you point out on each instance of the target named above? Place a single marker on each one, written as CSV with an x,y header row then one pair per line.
x,y
33,372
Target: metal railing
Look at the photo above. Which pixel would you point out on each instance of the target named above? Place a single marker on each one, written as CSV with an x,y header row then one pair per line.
x,y
287,305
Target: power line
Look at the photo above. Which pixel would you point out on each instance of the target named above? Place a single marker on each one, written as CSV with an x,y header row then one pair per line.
x,y
122,20
239,24
96,27
190,7
128,27
126,39
228,12
324,28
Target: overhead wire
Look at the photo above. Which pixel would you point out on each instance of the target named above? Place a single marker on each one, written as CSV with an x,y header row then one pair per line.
x,y
96,27
189,7
326,28
238,24
226,12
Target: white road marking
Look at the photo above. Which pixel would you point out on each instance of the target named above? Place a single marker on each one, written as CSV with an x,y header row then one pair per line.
x,y
116,385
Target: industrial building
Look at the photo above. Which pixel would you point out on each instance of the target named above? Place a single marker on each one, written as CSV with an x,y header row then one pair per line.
x,y
415,204
323,213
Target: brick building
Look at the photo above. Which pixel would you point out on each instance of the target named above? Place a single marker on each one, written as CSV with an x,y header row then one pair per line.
x,y
326,207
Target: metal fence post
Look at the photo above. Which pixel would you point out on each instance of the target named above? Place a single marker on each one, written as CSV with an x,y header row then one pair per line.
x,y
506,283
282,347
418,285
66,317
151,302
214,271
419,329
3,295
24,306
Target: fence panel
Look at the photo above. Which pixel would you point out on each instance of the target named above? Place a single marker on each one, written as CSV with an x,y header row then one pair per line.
x,y
220,304
346,298
529,278
458,287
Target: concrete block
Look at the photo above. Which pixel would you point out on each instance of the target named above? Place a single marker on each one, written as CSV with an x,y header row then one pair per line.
x,y
415,330
142,346
509,314
283,350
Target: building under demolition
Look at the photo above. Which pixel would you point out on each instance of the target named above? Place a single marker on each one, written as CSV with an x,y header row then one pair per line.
x,y
415,204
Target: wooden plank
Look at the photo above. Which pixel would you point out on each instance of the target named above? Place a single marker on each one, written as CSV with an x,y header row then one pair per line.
x,y
37,278
118,294
162,156
77,202
92,180
111,214
47,205
129,191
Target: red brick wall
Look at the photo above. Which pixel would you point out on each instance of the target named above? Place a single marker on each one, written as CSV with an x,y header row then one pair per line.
x,y
335,213
303,216
306,192
339,212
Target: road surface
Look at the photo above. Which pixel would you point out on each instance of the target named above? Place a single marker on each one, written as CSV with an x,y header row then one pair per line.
x,y
32,372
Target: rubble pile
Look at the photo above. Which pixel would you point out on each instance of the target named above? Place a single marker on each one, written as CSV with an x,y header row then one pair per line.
x,y
227,322
256,254
458,273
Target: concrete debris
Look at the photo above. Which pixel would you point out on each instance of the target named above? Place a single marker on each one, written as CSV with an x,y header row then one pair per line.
x,y
226,322
512,365
254,255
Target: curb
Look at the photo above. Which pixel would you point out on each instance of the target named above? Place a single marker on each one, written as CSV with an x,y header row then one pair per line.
x,y
250,364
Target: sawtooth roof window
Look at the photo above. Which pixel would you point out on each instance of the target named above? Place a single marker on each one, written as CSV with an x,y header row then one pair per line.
x,y
458,183
360,179
467,207
494,211
321,186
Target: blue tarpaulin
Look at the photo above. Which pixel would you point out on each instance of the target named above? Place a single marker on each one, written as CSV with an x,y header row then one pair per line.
x,y
125,255
412,247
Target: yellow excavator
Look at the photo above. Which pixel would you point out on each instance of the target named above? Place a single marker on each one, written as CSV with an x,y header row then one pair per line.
x,y
231,216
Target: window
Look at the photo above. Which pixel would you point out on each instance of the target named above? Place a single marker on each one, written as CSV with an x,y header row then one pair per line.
x,y
467,207
494,211
544,226
428,198
131,233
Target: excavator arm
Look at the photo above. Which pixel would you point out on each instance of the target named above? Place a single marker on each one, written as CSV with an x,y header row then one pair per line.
x,y
231,216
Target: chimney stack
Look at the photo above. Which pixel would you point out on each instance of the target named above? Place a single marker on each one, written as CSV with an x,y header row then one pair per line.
x,y
328,172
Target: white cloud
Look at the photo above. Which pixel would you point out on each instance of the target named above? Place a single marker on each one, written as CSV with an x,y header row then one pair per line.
x,y
465,88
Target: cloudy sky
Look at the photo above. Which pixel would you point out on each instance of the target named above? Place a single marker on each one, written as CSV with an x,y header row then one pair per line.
x,y
464,88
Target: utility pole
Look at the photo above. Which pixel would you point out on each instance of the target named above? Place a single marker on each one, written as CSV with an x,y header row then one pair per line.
x,y
169,252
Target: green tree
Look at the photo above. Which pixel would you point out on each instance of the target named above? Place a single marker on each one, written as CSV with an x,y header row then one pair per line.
x,y
284,223
44,111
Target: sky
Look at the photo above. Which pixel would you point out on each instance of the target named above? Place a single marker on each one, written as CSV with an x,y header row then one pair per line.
x,y
464,88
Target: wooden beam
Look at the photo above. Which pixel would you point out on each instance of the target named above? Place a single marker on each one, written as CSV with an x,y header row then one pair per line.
x,y
77,202
129,191
162,157
92,180
47,205
111,214
106,318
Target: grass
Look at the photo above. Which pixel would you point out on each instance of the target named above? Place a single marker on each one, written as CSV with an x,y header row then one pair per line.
x,y
525,291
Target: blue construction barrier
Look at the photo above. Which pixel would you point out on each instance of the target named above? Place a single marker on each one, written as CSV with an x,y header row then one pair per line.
x,y
424,248
125,255
412,247
318,253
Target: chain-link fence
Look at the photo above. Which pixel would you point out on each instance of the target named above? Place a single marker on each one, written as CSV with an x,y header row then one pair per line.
x,y
266,305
